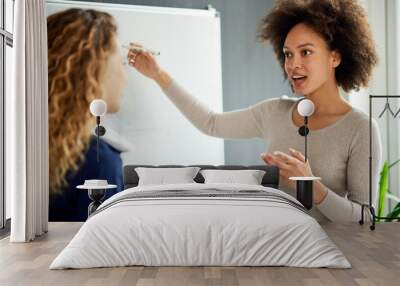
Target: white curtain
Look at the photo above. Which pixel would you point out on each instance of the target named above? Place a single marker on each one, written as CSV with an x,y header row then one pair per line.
x,y
27,124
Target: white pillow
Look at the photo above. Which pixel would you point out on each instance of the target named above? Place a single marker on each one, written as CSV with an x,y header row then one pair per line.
x,y
165,176
248,177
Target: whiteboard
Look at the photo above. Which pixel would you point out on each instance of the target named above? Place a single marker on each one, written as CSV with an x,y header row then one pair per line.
x,y
189,41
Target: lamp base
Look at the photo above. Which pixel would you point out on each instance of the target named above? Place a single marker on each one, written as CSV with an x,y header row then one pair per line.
x,y
304,193
97,196
304,190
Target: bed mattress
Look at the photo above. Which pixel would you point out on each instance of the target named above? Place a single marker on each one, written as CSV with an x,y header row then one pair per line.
x,y
201,225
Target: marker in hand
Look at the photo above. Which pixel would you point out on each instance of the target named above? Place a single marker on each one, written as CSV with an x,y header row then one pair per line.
x,y
137,49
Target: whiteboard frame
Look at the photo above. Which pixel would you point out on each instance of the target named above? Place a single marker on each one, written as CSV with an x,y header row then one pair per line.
x,y
209,12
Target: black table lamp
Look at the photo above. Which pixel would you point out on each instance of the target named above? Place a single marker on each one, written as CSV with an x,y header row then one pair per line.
x,y
97,187
98,107
304,185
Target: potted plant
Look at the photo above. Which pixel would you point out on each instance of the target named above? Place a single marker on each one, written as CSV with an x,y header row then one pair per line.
x,y
385,193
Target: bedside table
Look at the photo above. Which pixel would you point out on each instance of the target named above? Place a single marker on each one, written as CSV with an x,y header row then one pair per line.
x,y
96,194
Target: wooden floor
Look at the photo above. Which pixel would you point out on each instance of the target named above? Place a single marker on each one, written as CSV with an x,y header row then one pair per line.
x,y
374,255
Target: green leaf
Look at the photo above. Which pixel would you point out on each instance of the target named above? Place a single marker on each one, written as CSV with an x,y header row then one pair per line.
x,y
394,213
383,187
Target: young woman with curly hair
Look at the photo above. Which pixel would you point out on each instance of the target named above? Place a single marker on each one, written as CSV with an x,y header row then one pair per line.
x,y
85,63
321,45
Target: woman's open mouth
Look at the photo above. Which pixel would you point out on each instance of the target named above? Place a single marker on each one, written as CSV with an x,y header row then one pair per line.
x,y
298,80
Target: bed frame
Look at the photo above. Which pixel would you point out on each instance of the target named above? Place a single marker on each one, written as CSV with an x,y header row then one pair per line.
x,y
270,179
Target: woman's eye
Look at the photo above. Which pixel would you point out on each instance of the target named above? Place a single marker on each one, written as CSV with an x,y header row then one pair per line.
x,y
306,52
287,54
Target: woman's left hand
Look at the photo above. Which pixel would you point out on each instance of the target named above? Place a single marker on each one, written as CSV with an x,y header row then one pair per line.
x,y
290,165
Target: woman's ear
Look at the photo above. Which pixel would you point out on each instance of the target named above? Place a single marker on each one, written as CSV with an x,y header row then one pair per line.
x,y
336,59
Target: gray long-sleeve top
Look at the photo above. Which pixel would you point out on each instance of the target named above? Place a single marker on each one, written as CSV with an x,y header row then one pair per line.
x,y
337,153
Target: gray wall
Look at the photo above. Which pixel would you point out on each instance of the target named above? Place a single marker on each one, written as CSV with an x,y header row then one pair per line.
x,y
250,71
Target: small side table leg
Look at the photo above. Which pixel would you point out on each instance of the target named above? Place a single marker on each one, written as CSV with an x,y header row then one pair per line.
x,y
97,196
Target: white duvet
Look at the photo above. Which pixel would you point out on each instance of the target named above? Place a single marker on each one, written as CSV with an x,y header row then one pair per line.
x,y
200,231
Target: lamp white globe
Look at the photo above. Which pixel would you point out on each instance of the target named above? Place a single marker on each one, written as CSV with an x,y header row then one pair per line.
x,y
305,107
98,107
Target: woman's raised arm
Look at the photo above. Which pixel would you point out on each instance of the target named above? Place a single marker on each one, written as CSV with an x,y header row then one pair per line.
x,y
244,123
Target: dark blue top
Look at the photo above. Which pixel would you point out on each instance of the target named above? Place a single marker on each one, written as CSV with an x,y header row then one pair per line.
x,y
72,204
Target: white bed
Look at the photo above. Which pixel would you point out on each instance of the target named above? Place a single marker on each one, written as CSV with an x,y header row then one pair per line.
x,y
185,230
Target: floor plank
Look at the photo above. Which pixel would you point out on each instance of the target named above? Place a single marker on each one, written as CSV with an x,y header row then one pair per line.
x,y
374,255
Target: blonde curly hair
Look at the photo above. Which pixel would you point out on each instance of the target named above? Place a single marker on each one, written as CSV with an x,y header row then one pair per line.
x,y
79,43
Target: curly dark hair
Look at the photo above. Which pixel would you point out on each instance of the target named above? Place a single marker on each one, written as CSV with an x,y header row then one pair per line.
x,y
342,24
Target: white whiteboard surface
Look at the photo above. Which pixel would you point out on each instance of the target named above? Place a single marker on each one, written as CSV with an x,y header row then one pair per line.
x,y
190,45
